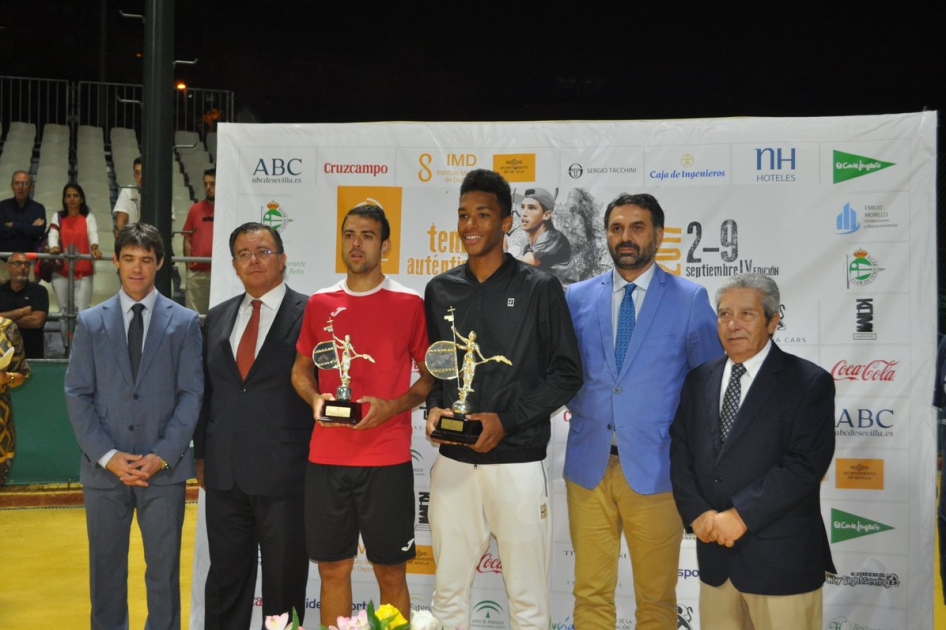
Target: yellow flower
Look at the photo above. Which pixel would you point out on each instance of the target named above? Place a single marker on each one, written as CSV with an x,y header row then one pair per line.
x,y
390,616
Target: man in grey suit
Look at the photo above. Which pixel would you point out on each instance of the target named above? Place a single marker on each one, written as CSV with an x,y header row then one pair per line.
x,y
133,391
252,442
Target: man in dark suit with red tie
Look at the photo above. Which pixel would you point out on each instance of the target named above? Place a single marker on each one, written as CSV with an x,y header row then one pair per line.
x,y
751,441
253,439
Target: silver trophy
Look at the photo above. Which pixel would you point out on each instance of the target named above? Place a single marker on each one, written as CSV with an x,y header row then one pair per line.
x,y
338,354
442,363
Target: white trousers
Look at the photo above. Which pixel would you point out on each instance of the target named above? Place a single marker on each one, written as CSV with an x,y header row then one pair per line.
x,y
468,504
83,296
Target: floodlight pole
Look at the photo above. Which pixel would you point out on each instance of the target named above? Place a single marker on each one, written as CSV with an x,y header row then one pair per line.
x,y
157,132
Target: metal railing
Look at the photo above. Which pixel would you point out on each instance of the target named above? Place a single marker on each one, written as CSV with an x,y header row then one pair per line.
x,y
109,105
36,101
105,105
67,312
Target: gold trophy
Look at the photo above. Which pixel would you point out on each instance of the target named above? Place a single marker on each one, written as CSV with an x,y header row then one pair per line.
x,y
338,354
441,361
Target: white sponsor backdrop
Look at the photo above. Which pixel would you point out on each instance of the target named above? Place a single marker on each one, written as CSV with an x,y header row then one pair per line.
x,y
840,211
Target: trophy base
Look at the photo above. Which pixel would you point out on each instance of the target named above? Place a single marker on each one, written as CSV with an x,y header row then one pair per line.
x,y
457,429
341,412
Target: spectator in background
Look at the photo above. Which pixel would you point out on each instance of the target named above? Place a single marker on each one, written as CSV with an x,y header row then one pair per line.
x,y
198,241
22,220
127,210
76,226
25,303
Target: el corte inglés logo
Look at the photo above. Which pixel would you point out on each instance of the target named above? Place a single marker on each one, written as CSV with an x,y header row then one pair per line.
x,y
850,166
846,526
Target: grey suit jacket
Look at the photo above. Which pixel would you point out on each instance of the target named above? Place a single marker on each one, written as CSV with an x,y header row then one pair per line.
x,y
155,414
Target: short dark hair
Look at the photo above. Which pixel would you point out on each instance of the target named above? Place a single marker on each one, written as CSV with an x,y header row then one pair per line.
x,y
15,173
140,235
252,226
482,180
642,200
137,162
212,172
83,208
375,213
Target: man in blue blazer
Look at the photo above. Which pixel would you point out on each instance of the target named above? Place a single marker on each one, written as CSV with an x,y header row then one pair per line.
x,y
640,331
133,391
750,445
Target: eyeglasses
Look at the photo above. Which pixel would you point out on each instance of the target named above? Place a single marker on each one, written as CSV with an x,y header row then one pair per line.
x,y
22,184
18,263
262,255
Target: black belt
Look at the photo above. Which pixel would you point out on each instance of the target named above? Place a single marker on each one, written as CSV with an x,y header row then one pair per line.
x,y
614,450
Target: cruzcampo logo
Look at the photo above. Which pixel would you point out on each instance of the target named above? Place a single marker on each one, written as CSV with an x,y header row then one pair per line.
x,y
848,166
845,526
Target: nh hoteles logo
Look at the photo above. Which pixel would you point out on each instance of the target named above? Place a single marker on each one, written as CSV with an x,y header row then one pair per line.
x,y
846,526
850,166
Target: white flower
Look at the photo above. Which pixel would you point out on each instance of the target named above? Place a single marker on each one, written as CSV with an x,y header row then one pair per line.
x,y
279,622
423,620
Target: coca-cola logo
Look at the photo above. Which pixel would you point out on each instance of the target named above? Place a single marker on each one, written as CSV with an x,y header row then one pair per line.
x,y
489,564
876,370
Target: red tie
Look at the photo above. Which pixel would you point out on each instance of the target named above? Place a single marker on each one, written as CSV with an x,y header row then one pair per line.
x,y
246,351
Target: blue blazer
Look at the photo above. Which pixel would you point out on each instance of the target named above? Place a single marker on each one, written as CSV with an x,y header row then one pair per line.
x,y
158,412
770,469
675,332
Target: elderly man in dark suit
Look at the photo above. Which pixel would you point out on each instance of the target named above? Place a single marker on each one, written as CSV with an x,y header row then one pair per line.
x,y
253,439
133,392
751,441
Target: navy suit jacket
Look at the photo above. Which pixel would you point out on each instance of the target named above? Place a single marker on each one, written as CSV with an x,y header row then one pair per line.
x,y
155,414
770,469
675,332
254,433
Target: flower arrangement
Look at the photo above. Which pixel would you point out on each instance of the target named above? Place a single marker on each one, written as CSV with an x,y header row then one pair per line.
x,y
386,617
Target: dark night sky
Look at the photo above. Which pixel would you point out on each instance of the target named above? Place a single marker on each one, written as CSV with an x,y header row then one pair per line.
x,y
351,61
340,62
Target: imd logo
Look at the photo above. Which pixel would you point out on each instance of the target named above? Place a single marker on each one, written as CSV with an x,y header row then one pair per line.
x,y
847,526
850,166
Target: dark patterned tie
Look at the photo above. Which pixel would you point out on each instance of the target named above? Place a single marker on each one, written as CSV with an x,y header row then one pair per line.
x,y
246,350
626,322
136,335
731,401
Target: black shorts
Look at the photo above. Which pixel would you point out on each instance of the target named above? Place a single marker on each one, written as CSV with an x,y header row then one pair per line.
x,y
378,502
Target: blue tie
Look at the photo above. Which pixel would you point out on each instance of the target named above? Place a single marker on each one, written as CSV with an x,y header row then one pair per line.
x,y
626,322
